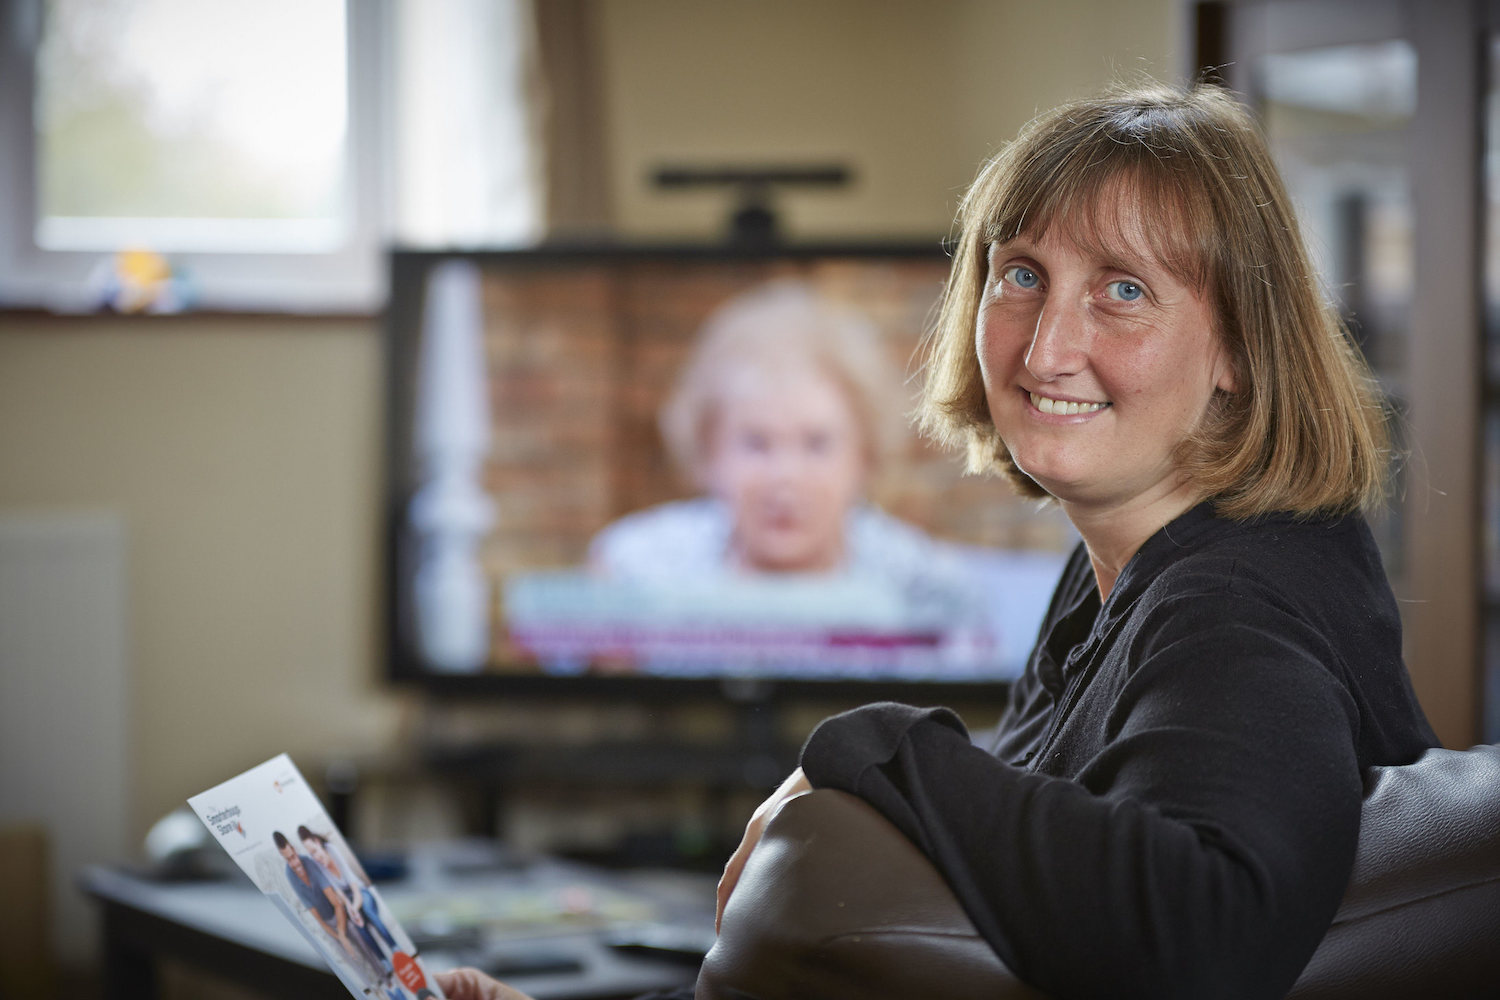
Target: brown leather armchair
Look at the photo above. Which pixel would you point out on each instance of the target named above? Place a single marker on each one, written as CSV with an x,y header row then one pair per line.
x,y
837,904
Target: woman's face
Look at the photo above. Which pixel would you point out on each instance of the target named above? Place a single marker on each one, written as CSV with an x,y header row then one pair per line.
x,y
318,854
1096,367
785,454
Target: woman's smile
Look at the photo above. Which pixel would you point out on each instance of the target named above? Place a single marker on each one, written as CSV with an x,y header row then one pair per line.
x,y
1053,406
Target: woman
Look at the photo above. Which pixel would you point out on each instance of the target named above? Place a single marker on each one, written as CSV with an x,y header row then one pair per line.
x,y
351,885
1171,803
783,416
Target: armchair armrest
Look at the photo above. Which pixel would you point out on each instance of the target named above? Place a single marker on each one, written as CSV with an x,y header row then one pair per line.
x,y
1421,916
836,904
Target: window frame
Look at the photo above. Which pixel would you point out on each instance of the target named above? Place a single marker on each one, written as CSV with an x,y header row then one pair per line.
x,y
347,279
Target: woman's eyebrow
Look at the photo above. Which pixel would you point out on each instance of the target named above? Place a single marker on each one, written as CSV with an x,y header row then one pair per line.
x,y
1106,257
1120,256
1015,245
1132,264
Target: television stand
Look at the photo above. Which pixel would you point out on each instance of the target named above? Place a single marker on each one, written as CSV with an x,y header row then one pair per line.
x,y
488,779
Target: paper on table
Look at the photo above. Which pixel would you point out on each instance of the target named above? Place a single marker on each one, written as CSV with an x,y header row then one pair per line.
x,y
277,831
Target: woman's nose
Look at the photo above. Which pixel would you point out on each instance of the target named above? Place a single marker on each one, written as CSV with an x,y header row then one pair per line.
x,y
780,463
1059,342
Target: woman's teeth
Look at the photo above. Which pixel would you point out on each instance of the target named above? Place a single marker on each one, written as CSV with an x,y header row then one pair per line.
x,y
1063,407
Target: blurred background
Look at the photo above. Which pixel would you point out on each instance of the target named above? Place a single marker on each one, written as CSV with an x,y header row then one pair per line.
x,y
197,203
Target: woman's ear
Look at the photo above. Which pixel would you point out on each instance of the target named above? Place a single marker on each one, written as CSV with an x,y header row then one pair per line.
x,y
1225,363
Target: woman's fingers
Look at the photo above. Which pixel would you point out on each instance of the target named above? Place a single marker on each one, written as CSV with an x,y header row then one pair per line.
x,y
795,784
471,984
733,867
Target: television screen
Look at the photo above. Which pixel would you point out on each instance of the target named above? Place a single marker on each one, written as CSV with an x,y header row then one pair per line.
x,y
691,464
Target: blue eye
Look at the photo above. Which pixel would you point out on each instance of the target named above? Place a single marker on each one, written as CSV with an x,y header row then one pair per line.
x,y
1022,276
1125,291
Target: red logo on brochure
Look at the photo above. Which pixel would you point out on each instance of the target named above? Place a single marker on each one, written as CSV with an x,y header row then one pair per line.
x,y
408,971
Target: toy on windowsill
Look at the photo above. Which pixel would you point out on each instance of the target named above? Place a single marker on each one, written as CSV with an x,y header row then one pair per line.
x,y
141,281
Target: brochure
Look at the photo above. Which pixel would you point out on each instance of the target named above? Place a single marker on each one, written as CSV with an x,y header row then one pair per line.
x,y
277,831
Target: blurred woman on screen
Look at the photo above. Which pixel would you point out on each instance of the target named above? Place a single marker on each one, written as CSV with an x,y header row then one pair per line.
x,y
783,416
786,412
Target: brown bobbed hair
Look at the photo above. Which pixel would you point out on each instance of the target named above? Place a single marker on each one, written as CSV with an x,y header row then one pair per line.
x,y
1304,431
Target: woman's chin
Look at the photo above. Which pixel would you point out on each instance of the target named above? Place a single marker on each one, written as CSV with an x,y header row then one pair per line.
x,y
788,557
1060,483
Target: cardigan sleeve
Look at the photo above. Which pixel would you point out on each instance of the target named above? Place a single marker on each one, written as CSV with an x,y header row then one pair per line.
x,y
1201,851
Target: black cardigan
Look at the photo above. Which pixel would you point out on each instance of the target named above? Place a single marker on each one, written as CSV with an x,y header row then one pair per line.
x,y
1172,802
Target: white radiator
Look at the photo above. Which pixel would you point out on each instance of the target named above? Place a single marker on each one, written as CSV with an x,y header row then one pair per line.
x,y
65,700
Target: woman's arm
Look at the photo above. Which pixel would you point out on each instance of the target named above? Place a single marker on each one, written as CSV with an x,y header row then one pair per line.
x,y
340,911
1201,852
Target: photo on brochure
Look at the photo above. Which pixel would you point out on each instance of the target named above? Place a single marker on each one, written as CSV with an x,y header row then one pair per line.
x,y
277,831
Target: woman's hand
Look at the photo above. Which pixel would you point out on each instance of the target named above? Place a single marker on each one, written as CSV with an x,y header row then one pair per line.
x,y
471,984
796,784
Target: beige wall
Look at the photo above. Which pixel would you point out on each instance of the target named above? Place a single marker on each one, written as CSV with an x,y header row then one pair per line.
x,y
243,455
243,452
911,95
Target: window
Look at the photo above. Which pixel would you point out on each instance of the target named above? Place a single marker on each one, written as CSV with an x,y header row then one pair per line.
x,y
239,140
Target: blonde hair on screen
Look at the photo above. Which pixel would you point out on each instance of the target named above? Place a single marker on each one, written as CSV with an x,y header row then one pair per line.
x,y
1305,429
774,330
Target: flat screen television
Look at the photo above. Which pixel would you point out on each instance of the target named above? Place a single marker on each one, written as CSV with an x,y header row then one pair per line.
x,y
652,471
